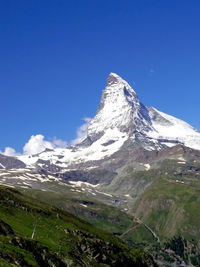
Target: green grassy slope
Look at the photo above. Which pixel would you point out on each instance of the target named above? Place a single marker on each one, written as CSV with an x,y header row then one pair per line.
x,y
106,217
173,209
61,239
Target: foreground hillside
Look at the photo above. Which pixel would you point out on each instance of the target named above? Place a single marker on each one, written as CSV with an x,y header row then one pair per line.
x,y
60,238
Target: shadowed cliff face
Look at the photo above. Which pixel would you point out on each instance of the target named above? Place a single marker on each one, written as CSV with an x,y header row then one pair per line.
x,y
7,162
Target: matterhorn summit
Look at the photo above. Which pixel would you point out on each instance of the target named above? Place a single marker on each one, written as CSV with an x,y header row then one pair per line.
x,y
119,110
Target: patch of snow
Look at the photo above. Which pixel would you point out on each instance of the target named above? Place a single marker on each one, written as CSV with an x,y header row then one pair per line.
x,y
83,205
28,160
147,166
78,191
178,181
7,185
174,129
91,168
109,195
18,170
4,173
30,174
25,183
181,159
20,177
80,184
2,166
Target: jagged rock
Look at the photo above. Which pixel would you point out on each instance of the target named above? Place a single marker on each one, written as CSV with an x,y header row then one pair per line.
x,y
5,229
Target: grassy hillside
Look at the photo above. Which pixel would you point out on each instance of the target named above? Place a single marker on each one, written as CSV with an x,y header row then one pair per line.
x,y
106,217
172,209
61,239
173,202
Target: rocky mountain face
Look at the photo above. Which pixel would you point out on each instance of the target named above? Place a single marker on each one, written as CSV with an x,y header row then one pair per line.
x,y
10,162
123,132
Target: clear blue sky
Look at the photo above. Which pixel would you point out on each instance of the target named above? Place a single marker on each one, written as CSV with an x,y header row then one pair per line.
x,y
55,57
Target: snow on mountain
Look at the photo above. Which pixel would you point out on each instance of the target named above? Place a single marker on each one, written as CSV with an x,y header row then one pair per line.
x,y
119,109
170,128
121,117
96,151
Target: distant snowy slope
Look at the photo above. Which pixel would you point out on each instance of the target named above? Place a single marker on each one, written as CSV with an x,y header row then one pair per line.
x,y
170,128
64,157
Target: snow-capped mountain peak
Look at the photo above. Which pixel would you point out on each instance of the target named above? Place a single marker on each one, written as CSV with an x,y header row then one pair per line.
x,y
114,79
119,109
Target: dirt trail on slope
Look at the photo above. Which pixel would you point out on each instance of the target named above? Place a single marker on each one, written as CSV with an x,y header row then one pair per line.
x,y
145,225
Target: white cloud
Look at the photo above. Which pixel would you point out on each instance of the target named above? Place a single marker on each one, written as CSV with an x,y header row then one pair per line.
x,y
9,151
81,132
36,144
59,143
